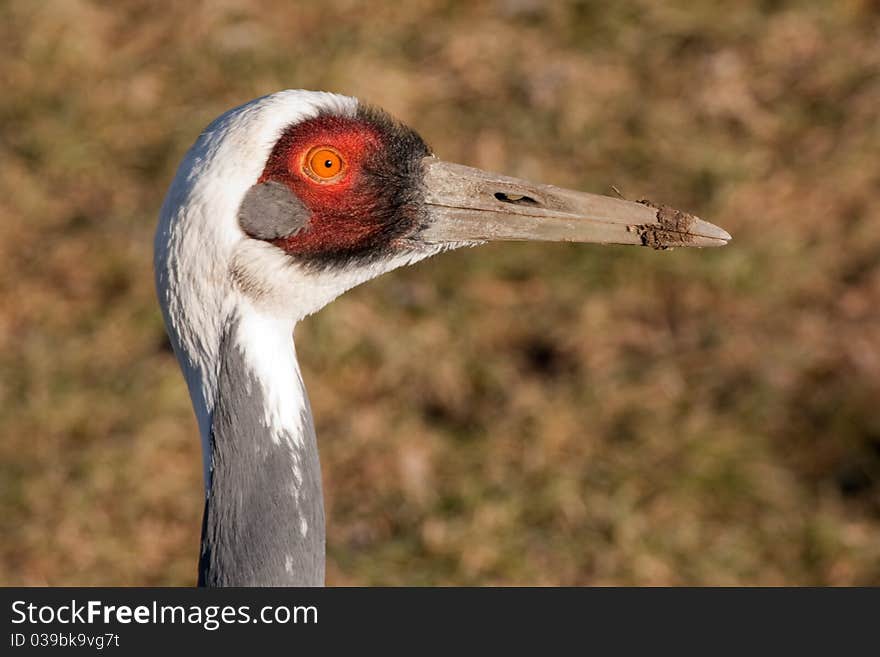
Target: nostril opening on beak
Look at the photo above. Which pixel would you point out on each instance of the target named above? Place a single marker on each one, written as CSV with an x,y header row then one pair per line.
x,y
515,199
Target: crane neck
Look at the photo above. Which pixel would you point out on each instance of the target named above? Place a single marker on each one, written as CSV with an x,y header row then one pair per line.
x,y
264,514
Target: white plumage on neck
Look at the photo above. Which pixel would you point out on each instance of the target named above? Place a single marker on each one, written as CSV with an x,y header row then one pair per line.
x,y
266,343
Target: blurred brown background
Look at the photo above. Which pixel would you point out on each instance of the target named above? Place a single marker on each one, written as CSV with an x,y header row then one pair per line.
x,y
514,414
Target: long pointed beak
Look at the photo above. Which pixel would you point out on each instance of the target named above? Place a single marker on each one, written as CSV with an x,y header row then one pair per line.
x,y
471,205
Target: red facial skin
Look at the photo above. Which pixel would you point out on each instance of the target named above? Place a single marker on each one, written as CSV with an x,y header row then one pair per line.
x,y
343,210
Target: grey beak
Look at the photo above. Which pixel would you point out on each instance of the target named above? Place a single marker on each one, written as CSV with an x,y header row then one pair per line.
x,y
471,205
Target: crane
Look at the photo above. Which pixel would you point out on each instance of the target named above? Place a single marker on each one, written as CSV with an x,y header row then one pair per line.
x,y
281,205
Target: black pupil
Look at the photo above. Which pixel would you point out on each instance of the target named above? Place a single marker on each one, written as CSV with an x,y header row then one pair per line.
x,y
328,164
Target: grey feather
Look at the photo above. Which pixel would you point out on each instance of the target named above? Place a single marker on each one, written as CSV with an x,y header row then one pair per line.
x,y
252,529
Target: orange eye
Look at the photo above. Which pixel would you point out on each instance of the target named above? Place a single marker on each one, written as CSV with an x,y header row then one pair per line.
x,y
324,163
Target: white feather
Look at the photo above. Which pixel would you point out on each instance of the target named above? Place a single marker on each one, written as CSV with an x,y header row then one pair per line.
x,y
198,231
199,244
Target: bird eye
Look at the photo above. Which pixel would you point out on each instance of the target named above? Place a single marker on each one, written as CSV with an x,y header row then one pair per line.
x,y
323,164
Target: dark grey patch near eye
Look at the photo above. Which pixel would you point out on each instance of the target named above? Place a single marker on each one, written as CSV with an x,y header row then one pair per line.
x,y
271,211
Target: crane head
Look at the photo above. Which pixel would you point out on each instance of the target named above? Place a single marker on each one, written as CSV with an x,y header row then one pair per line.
x,y
297,196
289,200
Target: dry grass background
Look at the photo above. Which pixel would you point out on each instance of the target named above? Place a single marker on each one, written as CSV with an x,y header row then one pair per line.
x,y
515,414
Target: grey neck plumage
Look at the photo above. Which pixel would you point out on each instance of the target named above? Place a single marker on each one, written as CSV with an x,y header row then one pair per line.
x,y
264,513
